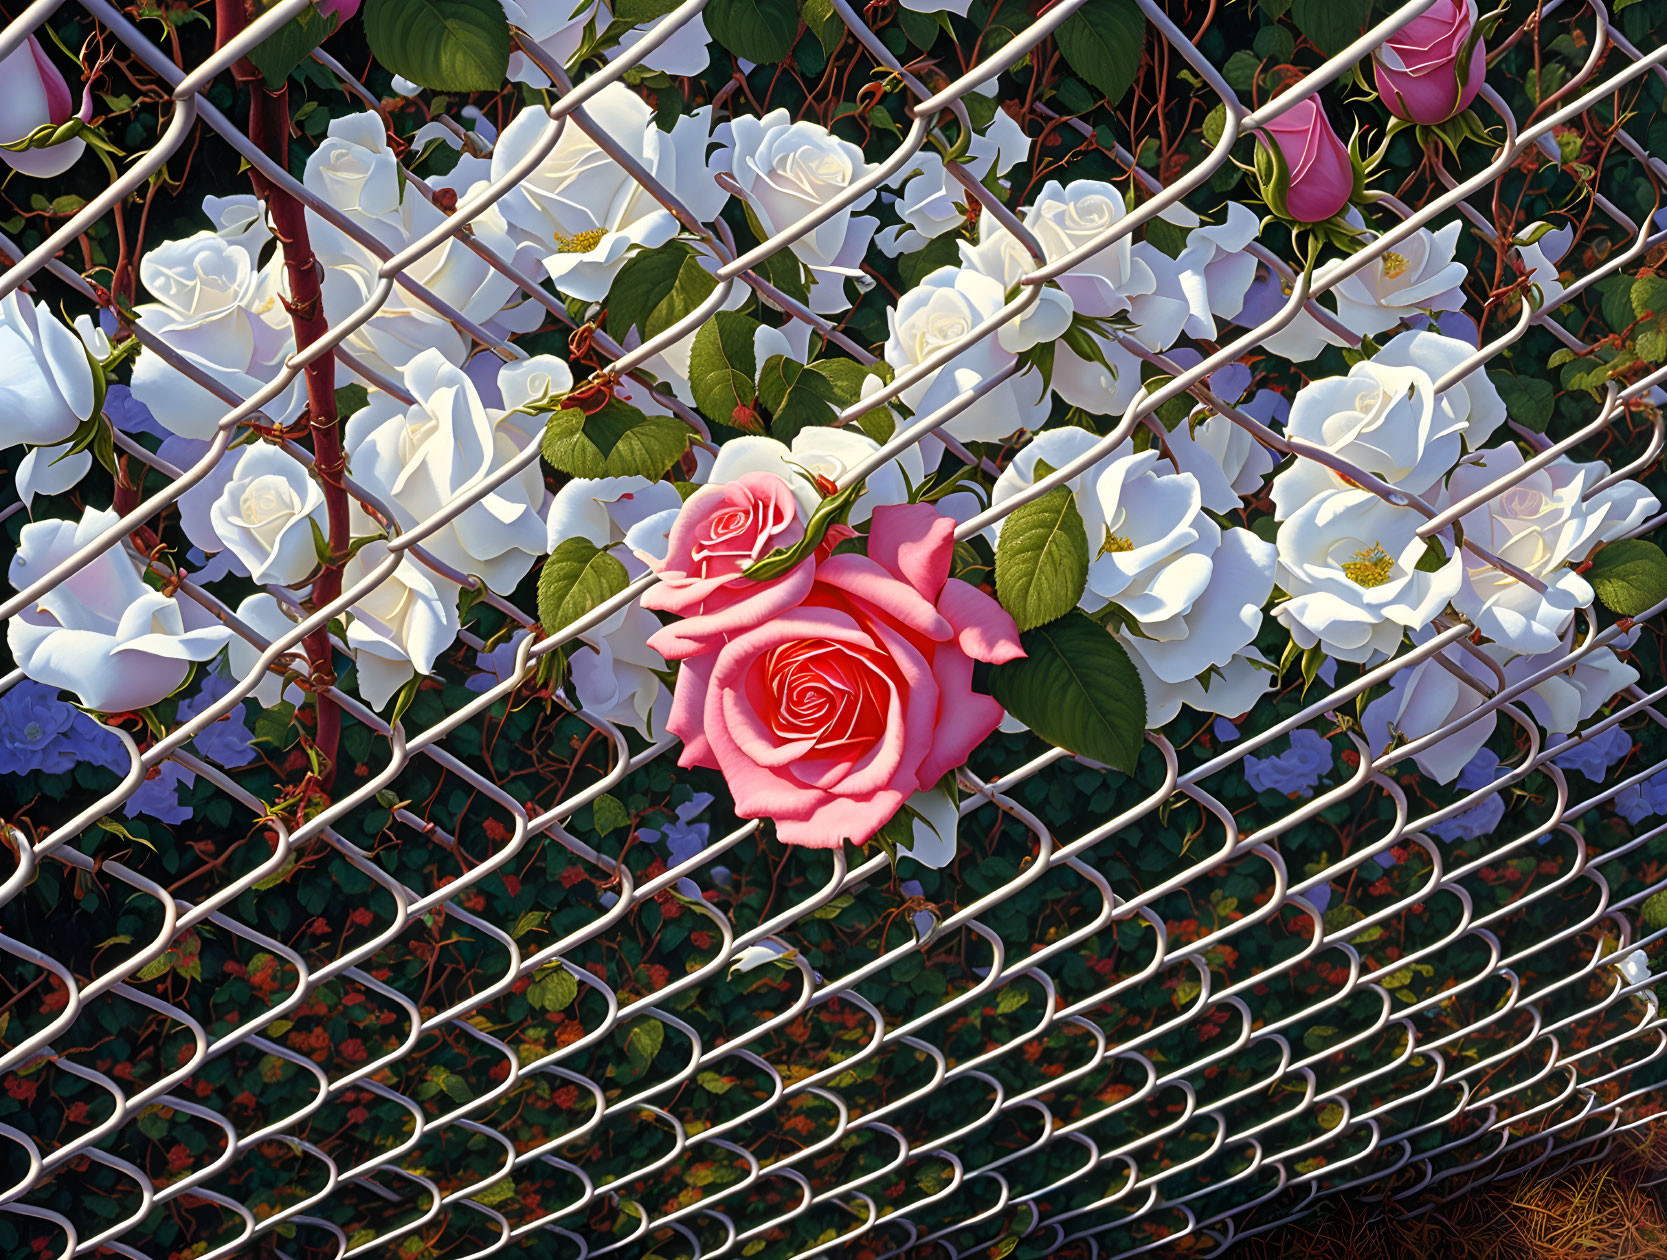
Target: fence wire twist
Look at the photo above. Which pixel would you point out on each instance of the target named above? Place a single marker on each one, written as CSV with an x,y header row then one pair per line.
x,y
1429,1120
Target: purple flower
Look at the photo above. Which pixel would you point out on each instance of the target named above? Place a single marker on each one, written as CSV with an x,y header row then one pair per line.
x,y
1225,731
42,734
684,838
496,665
158,797
1594,757
227,741
1297,770
1643,800
1481,818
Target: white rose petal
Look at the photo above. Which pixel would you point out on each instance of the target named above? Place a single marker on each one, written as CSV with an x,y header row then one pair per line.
x,y
102,633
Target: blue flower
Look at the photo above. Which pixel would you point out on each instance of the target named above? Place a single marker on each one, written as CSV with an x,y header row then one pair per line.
x,y
158,797
1296,770
496,665
227,742
42,734
1594,757
1481,818
684,838
1642,800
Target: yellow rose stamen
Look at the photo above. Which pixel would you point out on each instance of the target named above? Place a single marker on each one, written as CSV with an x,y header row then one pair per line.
x,y
583,243
1371,566
1394,266
1114,544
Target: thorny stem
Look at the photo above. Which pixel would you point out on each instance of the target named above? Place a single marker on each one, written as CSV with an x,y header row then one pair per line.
x,y
269,130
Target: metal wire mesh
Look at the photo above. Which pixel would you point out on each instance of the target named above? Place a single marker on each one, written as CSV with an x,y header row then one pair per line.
x,y
1483,1076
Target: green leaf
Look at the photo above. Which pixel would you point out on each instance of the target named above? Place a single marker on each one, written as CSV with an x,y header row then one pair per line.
x,y
847,379
824,23
1077,689
293,42
1042,559
1331,24
275,726
1617,301
636,443
578,577
722,365
797,397
758,30
638,12
608,815
1274,43
1629,576
1240,70
656,288
1649,296
1102,42
350,398
940,251
553,988
451,45
643,1043
1528,399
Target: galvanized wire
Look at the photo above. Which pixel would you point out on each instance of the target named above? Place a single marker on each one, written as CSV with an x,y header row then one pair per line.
x,y
1579,1078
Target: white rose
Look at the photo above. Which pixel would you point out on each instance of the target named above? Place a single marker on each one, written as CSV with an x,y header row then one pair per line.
x,y
1215,267
1000,256
266,515
580,210
1155,317
46,470
789,170
1385,418
823,452
102,633
1419,276
613,672
1635,967
216,310
46,382
355,172
1151,544
1228,462
931,202
1566,699
1202,657
1474,399
420,458
1428,697
608,510
401,626
1349,562
267,617
941,311
559,31
1543,524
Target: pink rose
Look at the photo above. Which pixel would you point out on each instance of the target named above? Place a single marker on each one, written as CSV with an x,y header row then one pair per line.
x,y
1321,172
719,531
339,9
829,716
1417,68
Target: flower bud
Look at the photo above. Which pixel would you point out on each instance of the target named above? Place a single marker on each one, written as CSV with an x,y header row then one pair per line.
x,y
33,94
1433,66
1317,176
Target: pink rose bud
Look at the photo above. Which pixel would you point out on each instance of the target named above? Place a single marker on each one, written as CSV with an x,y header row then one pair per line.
x,y
340,9
1417,68
1320,174
32,94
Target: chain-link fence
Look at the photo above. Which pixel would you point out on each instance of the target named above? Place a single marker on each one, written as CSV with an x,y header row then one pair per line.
x,y
440,1018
